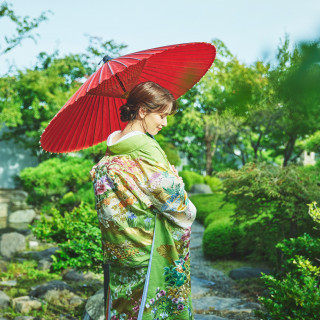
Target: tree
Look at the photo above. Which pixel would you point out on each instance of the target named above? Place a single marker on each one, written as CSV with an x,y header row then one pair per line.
x,y
31,98
296,80
24,27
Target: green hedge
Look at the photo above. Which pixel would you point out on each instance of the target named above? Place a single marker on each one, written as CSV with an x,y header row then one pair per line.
x,y
59,182
190,178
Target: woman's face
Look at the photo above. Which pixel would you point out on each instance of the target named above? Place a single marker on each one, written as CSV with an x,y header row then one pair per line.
x,y
153,122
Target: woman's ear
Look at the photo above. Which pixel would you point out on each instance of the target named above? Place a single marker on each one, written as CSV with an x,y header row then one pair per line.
x,y
142,112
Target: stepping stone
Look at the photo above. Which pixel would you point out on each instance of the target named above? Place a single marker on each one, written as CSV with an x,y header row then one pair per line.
x,y
207,317
200,287
219,303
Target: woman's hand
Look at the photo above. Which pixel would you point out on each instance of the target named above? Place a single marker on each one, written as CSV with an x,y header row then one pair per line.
x,y
174,170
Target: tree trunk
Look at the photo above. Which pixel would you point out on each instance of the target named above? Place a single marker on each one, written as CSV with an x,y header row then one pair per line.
x,y
288,150
211,143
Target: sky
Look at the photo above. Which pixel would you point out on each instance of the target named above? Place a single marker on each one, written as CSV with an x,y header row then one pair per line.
x,y
251,29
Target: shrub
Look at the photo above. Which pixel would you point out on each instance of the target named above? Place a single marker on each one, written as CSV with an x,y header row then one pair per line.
x,y
213,182
78,236
273,199
206,204
190,178
65,181
294,291
220,240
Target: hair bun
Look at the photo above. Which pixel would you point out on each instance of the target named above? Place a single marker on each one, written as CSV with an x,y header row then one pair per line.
x,y
127,112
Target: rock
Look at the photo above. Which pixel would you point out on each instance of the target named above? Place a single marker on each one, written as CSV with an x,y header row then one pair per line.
x,y
25,304
4,300
63,297
8,283
19,195
248,272
24,318
200,188
21,218
207,317
33,244
76,301
95,306
200,287
222,304
73,275
41,290
4,210
40,255
11,243
44,264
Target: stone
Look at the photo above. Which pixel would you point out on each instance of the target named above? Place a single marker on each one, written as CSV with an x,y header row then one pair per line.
x,y
12,243
41,290
19,195
44,264
40,255
247,272
25,304
76,301
95,306
73,275
33,244
200,287
4,300
24,318
222,304
200,188
8,283
21,218
207,317
4,210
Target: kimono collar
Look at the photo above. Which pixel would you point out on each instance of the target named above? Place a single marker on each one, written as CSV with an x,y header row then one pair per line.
x,y
129,144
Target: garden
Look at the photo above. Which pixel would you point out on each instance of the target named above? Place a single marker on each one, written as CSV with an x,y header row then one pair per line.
x,y
245,131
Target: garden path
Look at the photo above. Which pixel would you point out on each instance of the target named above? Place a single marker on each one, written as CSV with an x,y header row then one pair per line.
x,y
214,297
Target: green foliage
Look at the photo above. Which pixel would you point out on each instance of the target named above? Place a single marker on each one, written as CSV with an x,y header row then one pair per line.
x,y
24,27
190,178
213,182
61,182
220,239
270,198
78,236
296,295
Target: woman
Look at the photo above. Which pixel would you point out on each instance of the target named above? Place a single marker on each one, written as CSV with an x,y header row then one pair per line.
x,y
144,215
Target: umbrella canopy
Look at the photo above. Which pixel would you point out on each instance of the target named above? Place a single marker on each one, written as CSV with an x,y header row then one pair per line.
x,y
92,113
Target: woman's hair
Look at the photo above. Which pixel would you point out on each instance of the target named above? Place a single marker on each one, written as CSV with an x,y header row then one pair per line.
x,y
150,96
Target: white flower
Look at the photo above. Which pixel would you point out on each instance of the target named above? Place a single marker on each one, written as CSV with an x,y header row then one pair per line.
x,y
163,315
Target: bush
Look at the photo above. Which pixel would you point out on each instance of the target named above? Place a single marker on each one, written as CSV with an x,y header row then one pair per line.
x,y
190,178
273,199
294,291
214,183
206,204
58,181
77,234
220,240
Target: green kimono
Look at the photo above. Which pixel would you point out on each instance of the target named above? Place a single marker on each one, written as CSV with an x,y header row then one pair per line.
x,y
145,218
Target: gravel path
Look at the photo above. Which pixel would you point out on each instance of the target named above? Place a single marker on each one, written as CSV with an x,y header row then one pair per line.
x,y
212,291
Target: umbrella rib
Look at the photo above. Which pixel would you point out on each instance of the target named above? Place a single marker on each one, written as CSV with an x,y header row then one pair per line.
x,y
110,68
120,63
101,74
131,58
81,114
95,74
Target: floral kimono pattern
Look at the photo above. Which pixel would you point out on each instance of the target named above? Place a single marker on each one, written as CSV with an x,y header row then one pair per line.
x,y
145,218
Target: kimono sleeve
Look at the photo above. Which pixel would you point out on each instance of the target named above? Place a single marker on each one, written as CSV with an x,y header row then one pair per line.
x,y
165,189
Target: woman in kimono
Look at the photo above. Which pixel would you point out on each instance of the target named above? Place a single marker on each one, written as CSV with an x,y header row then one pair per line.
x,y
145,215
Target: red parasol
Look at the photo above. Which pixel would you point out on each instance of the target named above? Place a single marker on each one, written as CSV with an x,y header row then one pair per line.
x,y
92,113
